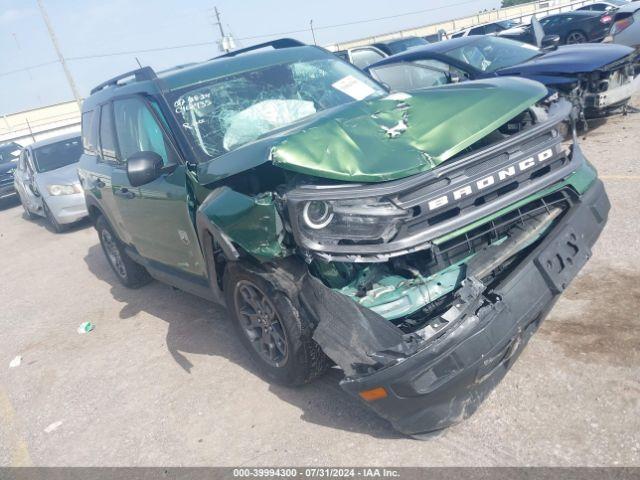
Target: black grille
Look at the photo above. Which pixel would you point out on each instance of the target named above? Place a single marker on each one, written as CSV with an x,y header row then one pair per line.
x,y
459,247
6,179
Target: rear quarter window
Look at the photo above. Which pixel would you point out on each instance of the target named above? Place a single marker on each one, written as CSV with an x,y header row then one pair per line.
x,y
89,132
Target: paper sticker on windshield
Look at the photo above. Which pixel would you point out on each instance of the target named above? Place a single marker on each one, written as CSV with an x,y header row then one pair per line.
x,y
353,87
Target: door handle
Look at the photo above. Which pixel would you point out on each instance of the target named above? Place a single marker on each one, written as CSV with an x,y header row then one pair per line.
x,y
124,192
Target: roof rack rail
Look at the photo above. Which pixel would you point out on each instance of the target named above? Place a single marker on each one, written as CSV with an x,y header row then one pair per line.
x,y
277,44
144,73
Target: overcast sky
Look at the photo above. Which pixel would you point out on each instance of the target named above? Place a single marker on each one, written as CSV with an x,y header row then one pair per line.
x,y
88,27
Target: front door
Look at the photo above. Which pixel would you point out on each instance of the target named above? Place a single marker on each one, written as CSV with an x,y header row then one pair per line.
x,y
155,216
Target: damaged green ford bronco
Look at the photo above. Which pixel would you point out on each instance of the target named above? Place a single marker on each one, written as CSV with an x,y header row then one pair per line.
x,y
414,240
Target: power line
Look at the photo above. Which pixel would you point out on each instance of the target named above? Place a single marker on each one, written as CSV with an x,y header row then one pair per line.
x,y
254,37
25,69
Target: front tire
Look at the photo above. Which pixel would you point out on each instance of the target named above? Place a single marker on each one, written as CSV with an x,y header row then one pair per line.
x,y
575,37
27,213
277,337
57,227
129,273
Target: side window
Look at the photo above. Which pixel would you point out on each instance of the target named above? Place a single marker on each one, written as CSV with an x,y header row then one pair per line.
x,y
138,130
107,138
409,76
478,31
89,132
365,57
492,28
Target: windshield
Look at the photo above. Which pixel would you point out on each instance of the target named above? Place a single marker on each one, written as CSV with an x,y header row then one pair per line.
x,y
489,54
234,110
405,44
57,155
9,152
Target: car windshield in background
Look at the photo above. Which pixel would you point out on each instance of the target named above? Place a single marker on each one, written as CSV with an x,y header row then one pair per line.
x,y
489,54
234,110
406,76
9,152
405,44
57,155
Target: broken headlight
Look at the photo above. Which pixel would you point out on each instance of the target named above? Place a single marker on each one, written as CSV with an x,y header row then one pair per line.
x,y
348,222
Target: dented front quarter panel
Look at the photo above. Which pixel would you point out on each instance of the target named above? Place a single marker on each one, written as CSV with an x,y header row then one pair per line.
x,y
252,223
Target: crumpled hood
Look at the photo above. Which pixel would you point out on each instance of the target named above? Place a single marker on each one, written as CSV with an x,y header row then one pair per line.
x,y
385,138
570,59
404,134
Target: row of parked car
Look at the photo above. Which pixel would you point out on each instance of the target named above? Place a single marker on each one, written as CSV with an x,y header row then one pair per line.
x,y
414,237
598,78
609,21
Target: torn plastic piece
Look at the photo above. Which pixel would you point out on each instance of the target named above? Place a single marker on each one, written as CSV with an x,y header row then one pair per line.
x,y
253,223
15,362
53,426
354,337
85,327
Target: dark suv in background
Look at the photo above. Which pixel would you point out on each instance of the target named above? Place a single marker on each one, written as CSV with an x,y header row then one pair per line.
x,y
415,240
9,154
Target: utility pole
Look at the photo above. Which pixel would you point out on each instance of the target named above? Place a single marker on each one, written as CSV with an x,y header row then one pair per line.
x,y
56,47
312,32
218,22
227,43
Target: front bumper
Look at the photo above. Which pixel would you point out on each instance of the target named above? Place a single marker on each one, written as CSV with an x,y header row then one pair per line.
x,y
612,98
67,208
447,380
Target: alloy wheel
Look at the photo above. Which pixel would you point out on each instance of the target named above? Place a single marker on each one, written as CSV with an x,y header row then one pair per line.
x,y
113,253
576,37
261,323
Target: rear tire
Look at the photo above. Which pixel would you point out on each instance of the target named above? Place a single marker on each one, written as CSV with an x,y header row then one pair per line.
x,y
129,273
575,37
57,227
277,337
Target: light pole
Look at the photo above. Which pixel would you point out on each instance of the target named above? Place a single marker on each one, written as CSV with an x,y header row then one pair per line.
x,y
56,47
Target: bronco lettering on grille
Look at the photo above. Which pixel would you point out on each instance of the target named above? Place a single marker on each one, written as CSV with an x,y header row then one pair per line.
x,y
495,178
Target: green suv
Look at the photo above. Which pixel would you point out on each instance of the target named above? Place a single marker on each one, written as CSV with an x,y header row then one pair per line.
x,y
415,240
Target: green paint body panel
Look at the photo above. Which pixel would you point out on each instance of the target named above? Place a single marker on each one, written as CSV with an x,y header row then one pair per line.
x,y
385,138
253,223
360,144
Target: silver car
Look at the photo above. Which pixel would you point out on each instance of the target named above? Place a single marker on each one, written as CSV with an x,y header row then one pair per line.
x,y
46,180
625,29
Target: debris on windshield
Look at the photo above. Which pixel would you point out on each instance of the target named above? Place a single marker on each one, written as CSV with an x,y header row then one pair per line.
x,y
15,362
85,327
263,117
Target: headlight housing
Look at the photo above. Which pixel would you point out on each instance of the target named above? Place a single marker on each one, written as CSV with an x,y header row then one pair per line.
x,y
57,190
350,222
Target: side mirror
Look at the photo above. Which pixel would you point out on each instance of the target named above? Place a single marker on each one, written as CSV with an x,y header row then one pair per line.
x,y
144,167
550,42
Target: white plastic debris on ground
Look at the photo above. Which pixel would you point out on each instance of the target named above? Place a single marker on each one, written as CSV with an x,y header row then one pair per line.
x,y
53,426
15,362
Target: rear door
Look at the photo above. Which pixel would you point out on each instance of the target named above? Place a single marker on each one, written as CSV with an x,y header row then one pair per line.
x,y
157,216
